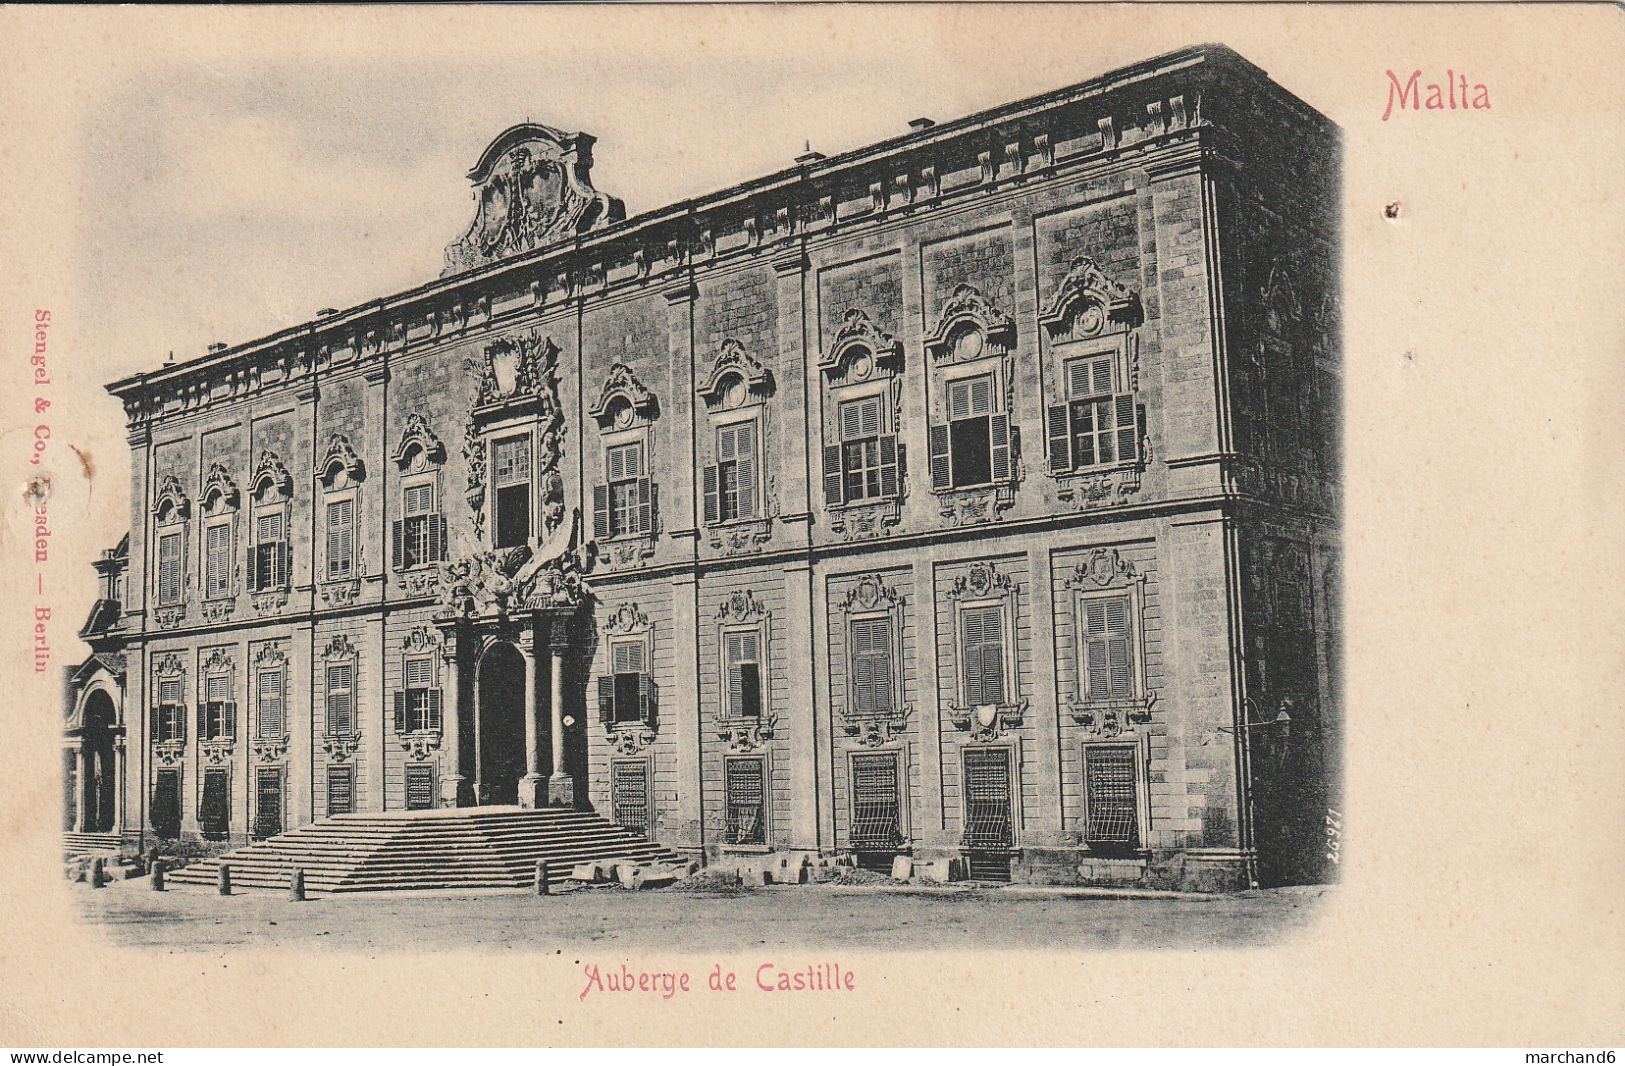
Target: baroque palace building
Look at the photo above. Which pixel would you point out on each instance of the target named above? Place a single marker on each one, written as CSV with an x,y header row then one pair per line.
x,y
972,493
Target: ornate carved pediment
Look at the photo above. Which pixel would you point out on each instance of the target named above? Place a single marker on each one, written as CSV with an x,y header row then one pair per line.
x,y
969,327
518,368
270,655
339,648
741,606
871,593
171,499
856,338
219,662
1087,300
219,490
421,640
339,455
628,618
271,473
416,436
498,581
170,665
622,391
982,581
735,365
1105,567
532,186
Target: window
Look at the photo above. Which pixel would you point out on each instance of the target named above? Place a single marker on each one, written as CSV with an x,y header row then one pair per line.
x,y
1108,647
875,803
171,716
865,464
271,557
987,798
974,447
629,796
981,650
217,718
169,568
340,699
1097,426
269,713
166,804
730,485
627,693
510,473
217,560
214,808
417,707
871,653
625,505
746,790
340,790
741,658
268,802
420,535
419,788
1110,792
340,538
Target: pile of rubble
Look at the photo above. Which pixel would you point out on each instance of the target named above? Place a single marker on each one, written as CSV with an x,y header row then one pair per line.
x,y
99,869
774,868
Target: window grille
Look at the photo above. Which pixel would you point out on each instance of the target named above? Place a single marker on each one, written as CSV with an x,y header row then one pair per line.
x,y
871,642
987,798
629,795
876,805
166,804
268,802
982,655
419,788
1108,648
340,790
1109,790
747,801
214,809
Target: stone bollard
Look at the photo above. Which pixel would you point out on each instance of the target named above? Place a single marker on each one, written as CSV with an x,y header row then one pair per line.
x,y
902,868
224,882
155,872
98,873
296,885
542,888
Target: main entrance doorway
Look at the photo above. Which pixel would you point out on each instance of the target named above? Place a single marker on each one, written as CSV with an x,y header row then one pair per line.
x,y
99,787
500,748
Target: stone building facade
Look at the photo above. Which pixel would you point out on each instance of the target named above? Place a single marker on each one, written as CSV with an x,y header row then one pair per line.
x,y
976,492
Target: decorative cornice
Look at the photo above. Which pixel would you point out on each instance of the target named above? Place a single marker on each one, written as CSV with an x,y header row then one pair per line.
x,y
417,436
622,386
965,312
741,606
339,648
734,361
1087,299
342,454
628,618
858,334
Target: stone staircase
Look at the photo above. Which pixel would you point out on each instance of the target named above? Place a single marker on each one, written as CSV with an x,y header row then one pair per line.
x,y
461,848
87,843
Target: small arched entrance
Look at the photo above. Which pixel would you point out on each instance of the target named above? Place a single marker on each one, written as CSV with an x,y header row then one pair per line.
x,y
500,746
98,789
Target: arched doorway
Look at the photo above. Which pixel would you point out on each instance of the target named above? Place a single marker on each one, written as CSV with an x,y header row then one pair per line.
x,y
500,757
98,790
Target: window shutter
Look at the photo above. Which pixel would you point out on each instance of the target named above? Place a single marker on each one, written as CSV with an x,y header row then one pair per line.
x,y
1060,458
713,504
750,682
832,475
941,470
179,711
437,538
285,559
646,507
400,712
253,569
1119,662
397,553
998,428
434,710
646,699
1128,428
600,511
736,690
202,719
889,467
747,484
229,721
606,698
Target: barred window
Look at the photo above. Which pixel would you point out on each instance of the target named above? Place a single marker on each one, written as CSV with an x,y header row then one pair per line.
x,y
876,805
629,796
1108,647
268,802
340,698
987,798
746,792
214,807
340,790
419,788
981,650
1109,791
871,644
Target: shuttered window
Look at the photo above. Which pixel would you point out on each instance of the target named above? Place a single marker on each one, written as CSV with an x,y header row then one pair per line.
x,y
340,698
742,664
340,538
1098,425
421,710
1109,791
629,796
746,793
340,790
981,650
269,563
1108,647
876,805
872,665
169,568
420,536
735,476
217,560
171,717
625,504
987,798
510,474
270,715
219,713
974,447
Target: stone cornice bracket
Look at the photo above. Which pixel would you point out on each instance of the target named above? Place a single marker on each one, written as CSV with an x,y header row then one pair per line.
x,y
171,497
416,435
734,361
965,311
271,469
342,454
858,332
1086,300
622,386
219,485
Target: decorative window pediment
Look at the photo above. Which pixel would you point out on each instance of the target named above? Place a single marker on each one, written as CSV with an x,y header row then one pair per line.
x,y
340,456
736,378
219,490
970,326
271,478
418,439
860,347
623,400
518,368
1087,301
171,503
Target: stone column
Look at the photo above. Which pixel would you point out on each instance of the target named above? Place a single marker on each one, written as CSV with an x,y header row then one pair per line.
x,y
81,788
531,792
560,787
451,724
120,773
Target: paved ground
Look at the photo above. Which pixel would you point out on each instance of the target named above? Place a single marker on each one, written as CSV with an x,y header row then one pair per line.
x,y
869,917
